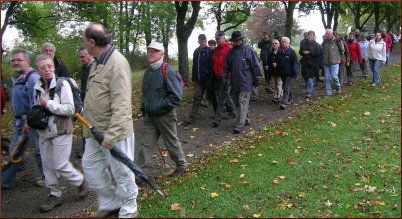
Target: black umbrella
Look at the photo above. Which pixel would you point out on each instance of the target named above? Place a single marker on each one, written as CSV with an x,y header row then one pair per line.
x,y
119,155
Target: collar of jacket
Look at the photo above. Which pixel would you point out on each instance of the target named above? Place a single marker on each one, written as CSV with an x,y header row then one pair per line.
x,y
104,56
41,83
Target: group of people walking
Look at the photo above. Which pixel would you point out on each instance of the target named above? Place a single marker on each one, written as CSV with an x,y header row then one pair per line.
x,y
228,71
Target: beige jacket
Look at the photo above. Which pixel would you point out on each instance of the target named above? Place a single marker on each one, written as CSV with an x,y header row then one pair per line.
x,y
107,104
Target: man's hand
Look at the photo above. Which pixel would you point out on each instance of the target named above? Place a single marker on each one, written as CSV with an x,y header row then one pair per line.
x,y
43,101
347,63
274,64
306,52
106,145
26,128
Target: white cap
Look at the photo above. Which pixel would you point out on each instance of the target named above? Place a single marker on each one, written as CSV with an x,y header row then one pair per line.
x,y
157,46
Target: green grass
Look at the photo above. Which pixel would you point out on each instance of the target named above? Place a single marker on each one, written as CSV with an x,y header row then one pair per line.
x,y
339,157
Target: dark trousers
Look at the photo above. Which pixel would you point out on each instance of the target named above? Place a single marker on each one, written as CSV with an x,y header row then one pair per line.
x,y
287,94
223,92
199,90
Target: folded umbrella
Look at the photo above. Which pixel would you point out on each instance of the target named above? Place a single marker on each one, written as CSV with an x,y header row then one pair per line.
x,y
119,155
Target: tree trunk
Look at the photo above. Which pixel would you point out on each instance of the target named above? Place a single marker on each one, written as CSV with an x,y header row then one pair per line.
x,y
121,31
10,11
290,7
336,17
183,32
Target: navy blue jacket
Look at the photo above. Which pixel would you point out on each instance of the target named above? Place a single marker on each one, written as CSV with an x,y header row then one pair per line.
x,y
245,68
202,64
288,63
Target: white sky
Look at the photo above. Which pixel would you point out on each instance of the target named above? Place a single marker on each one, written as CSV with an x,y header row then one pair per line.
x,y
311,22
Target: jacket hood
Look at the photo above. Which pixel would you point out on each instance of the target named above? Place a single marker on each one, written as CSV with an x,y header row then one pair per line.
x,y
224,44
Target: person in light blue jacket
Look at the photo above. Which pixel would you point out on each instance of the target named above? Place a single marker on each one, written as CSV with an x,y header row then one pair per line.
x,y
364,49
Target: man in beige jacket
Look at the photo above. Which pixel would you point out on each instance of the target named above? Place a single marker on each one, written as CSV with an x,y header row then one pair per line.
x,y
108,108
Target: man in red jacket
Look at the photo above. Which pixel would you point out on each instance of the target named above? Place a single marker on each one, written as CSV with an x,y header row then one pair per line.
x,y
388,41
355,57
222,90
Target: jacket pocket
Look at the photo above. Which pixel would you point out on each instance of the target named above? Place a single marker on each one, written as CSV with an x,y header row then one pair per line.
x,y
64,125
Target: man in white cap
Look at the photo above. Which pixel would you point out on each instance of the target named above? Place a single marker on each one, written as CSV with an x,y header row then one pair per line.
x,y
108,107
161,93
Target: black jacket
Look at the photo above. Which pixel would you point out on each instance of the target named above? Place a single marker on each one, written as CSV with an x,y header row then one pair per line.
x,y
265,46
310,63
202,64
288,63
273,58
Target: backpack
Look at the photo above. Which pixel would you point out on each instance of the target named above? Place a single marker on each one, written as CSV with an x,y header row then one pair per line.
x,y
78,105
24,82
164,66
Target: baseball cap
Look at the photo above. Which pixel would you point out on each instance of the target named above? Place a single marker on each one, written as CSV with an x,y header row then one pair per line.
x,y
202,37
157,46
219,34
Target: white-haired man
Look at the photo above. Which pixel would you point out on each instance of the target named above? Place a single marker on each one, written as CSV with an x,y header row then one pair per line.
x,y
60,68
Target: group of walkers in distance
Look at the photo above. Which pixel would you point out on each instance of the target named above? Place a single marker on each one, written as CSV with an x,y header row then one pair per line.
x,y
228,71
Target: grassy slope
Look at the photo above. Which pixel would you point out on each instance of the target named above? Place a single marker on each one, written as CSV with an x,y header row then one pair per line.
x,y
339,157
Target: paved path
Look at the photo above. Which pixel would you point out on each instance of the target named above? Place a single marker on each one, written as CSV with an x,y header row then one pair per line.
x,y
25,198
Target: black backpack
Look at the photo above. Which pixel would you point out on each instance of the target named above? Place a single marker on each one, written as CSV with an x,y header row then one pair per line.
x,y
74,88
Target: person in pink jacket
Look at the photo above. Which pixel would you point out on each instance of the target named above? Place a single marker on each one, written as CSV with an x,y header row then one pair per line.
x,y
387,39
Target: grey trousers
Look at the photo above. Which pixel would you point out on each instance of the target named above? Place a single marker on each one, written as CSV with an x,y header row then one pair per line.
x,y
350,69
199,89
166,127
287,94
242,103
224,98
364,66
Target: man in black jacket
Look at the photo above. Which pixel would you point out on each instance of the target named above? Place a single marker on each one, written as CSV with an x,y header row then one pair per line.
x,y
60,68
202,77
265,46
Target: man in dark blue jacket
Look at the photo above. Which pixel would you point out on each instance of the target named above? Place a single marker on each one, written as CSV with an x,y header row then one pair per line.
x,y
202,77
245,68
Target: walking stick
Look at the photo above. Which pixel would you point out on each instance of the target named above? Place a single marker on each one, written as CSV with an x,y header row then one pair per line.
x,y
21,139
119,155
163,159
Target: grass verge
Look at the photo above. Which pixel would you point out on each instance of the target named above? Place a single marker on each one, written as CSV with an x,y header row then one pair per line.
x,y
339,157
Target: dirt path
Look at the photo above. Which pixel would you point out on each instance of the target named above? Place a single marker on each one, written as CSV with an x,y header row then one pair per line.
x,y
197,139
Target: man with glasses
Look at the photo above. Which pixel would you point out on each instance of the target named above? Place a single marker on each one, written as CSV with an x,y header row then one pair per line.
x,y
22,99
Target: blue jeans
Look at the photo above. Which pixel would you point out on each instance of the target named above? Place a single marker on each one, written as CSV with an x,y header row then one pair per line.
x,y
8,173
331,71
310,85
375,68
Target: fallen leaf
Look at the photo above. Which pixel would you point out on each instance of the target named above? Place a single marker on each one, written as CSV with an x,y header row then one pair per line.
x,y
281,177
190,155
227,186
195,129
367,113
260,155
154,155
175,207
246,207
332,124
324,187
233,161
241,175
192,175
191,137
328,203
256,215
277,132
164,153
243,165
289,159
275,162
245,183
381,203
337,176
297,151
213,195
253,147
285,134
276,181
299,140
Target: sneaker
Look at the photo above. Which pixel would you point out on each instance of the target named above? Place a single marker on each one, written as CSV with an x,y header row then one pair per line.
x,y
350,83
282,106
40,183
104,213
83,189
189,120
178,172
238,130
338,91
373,85
308,95
51,202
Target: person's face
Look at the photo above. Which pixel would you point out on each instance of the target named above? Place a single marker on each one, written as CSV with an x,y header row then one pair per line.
x,y
211,46
19,63
48,50
378,36
310,37
266,36
88,44
238,43
84,57
203,43
352,37
154,55
275,45
46,69
285,44
220,40
329,34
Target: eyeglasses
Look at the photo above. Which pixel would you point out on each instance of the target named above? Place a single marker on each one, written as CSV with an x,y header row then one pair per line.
x,y
17,60
44,67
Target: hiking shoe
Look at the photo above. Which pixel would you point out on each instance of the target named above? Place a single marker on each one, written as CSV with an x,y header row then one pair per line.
x,y
189,120
216,123
275,100
247,122
282,107
350,83
40,183
238,130
308,95
51,202
83,189
178,172
104,213
338,91
373,85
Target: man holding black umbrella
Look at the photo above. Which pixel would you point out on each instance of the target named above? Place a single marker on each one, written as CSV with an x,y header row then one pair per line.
x,y
108,107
